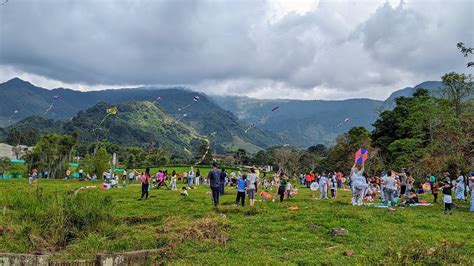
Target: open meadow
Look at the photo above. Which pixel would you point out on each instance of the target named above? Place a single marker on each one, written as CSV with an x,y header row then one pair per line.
x,y
50,218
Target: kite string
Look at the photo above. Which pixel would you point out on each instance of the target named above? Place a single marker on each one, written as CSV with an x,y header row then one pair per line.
x,y
102,121
184,107
11,117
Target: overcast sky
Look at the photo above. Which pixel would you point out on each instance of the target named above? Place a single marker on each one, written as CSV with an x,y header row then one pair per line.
x,y
266,49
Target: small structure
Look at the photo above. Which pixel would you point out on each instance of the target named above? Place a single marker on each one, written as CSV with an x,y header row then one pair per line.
x,y
13,152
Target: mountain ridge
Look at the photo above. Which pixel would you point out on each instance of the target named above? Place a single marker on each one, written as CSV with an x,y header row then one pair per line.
x,y
300,123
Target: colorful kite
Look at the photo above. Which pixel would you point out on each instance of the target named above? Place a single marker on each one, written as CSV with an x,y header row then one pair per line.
x,y
195,100
361,155
13,115
55,98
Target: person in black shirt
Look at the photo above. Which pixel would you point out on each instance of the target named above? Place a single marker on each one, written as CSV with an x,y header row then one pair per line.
x,y
447,197
214,178
222,180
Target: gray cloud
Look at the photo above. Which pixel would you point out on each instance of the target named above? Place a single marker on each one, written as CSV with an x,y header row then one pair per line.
x,y
337,50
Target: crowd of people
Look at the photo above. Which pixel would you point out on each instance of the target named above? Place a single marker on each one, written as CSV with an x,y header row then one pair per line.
x,y
391,188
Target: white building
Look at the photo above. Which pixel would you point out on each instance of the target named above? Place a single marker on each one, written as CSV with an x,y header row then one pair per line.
x,y
13,152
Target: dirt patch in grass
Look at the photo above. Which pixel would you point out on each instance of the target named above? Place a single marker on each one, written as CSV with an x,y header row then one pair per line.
x,y
6,230
176,230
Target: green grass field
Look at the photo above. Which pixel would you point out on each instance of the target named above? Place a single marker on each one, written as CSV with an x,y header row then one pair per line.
x,y
49,218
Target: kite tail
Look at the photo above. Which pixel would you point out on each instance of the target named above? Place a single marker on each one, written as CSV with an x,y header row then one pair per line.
x,y
49,108
11,117
205,154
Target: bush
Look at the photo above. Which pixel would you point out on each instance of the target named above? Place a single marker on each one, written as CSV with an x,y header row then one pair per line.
x,y
51,221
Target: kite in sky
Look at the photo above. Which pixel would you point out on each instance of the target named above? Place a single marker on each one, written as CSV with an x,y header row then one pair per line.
x,y
55,98
108,112
13,115
195,100
261,120
346,120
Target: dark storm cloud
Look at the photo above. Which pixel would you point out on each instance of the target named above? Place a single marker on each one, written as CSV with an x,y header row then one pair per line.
x,y
338,49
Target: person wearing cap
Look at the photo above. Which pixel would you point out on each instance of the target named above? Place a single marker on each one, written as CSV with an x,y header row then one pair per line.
x,y
214,182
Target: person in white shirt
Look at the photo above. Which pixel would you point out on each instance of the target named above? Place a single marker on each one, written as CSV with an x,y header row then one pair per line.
x,y
190,177
252,183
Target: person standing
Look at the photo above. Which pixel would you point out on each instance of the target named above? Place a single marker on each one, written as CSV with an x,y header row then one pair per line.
x,y
145,180
390,188
358,184
334,183
198,178
173,181
252,183
222,177
288,189
460,187
471,186
190,176
447,197
241,188
131,176
215,183
282,186
323,186
403,184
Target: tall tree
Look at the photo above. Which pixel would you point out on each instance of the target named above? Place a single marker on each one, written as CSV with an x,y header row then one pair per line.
x,y
101,161
457,88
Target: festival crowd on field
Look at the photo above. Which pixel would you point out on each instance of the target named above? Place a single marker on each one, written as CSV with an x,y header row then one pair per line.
x,y
388,190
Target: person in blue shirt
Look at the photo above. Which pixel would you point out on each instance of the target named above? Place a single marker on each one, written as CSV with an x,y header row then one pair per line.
x,y
241,187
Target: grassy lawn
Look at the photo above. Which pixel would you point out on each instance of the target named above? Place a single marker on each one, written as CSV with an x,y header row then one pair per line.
x,y
48,217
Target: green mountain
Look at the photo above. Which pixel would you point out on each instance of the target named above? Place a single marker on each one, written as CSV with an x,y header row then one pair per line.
x,y
202,115
134,124
309,122
304,123
298,123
